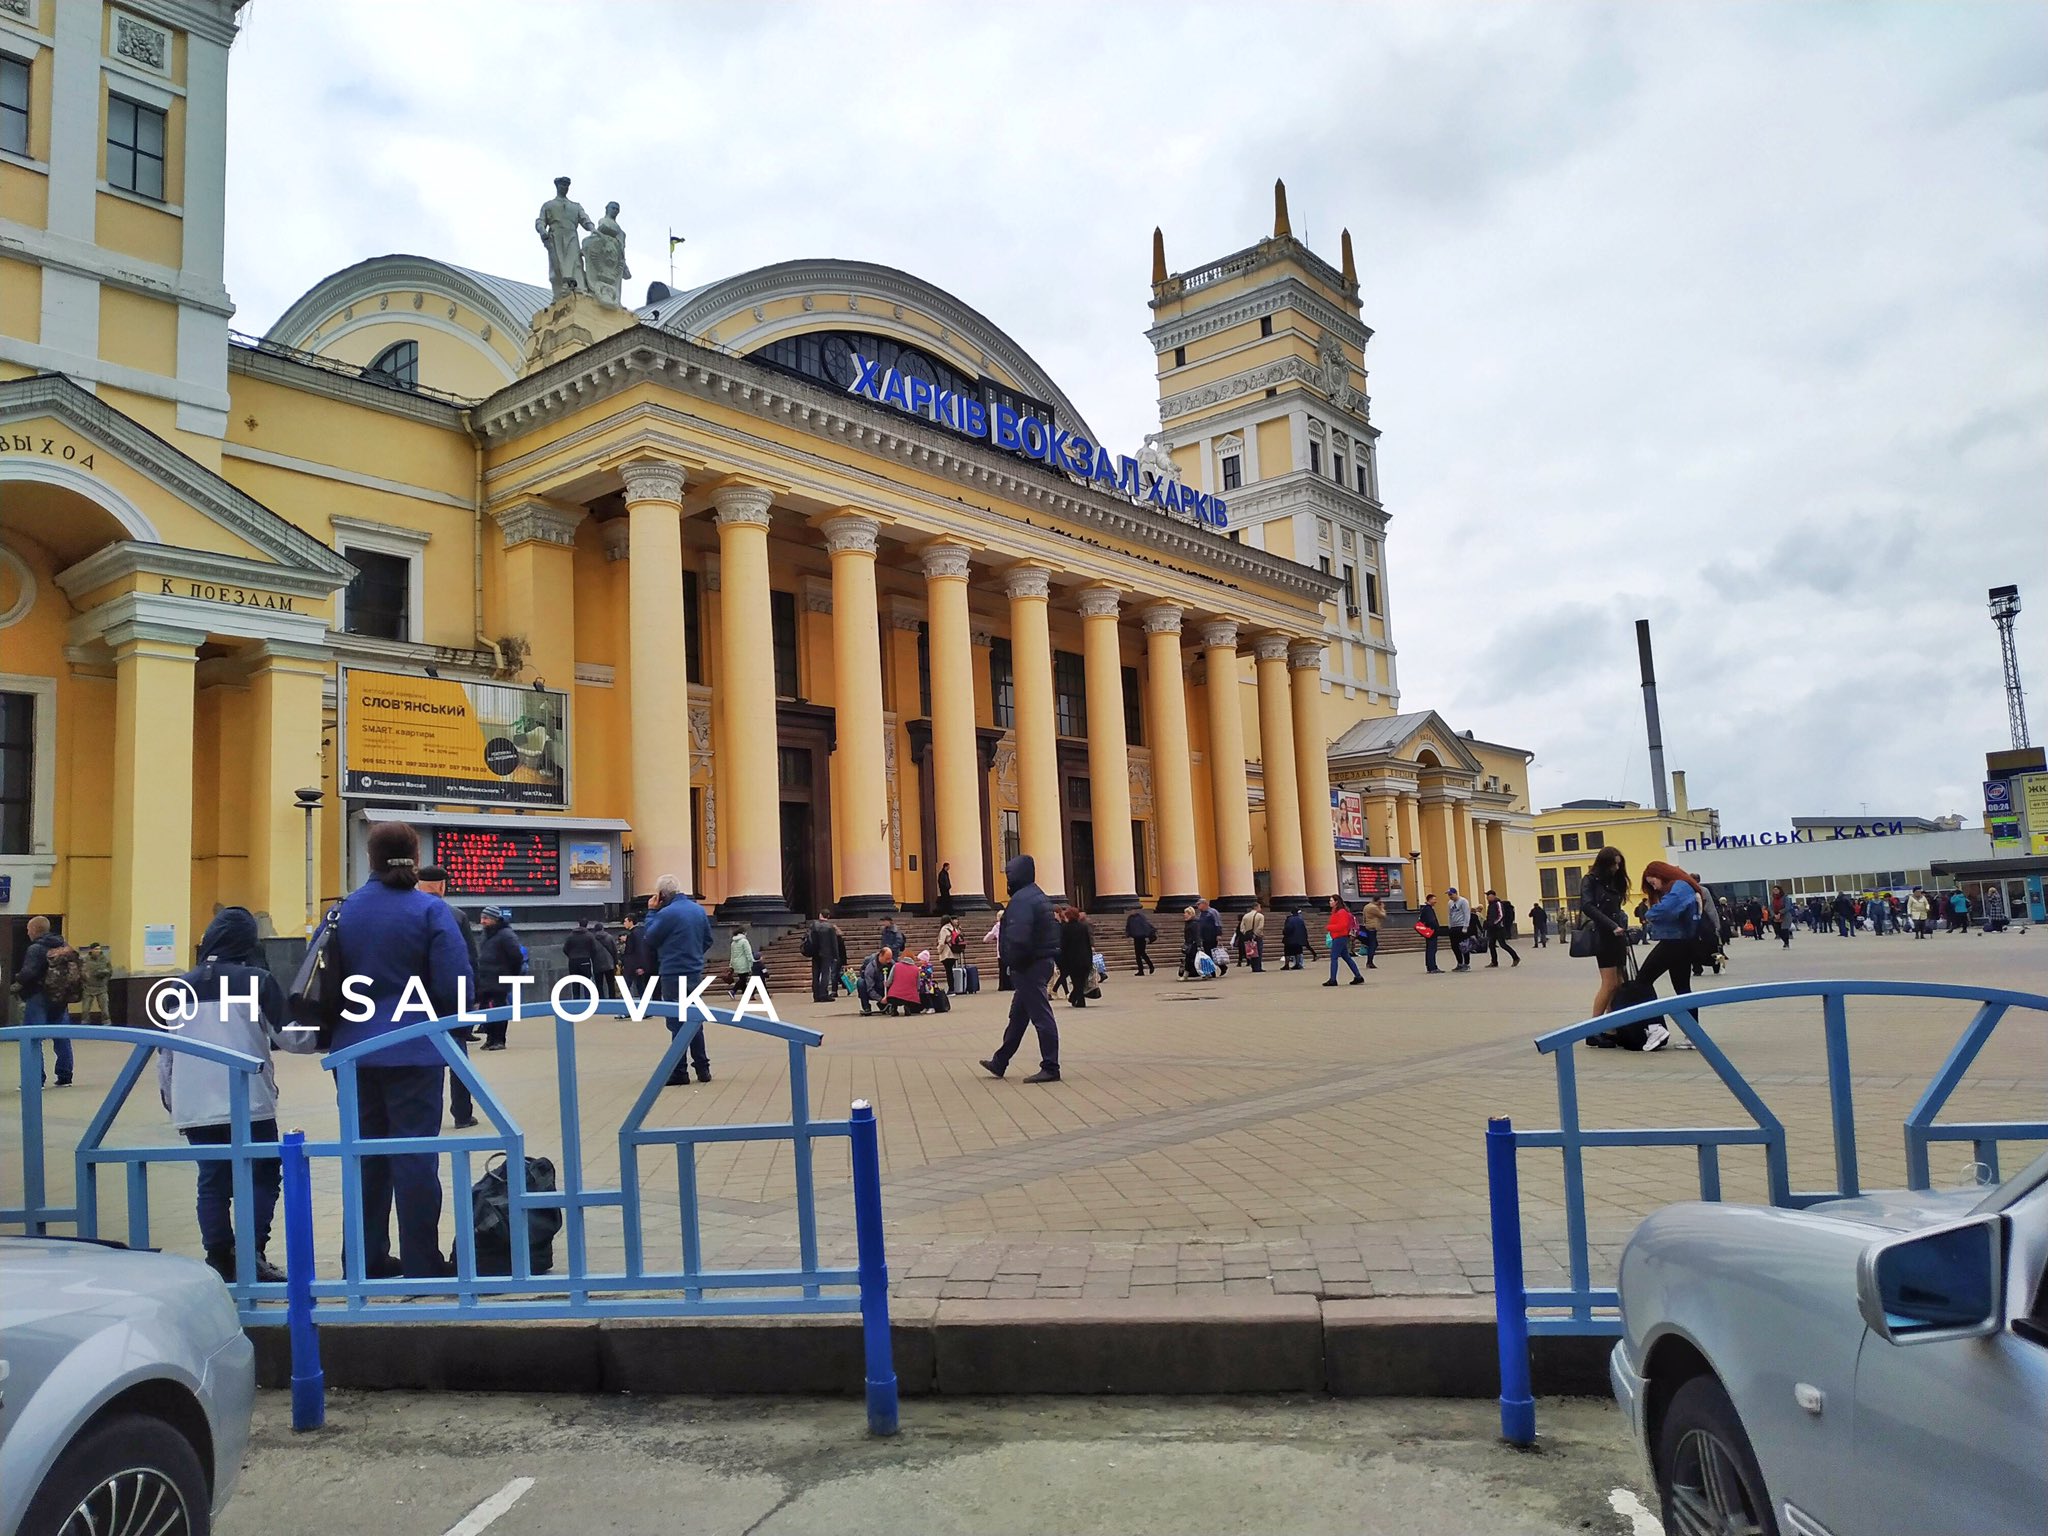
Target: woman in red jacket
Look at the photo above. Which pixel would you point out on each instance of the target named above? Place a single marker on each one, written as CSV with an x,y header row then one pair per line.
x,y
1342,929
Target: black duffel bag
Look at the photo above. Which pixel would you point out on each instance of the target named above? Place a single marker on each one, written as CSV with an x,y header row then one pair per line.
x,y
490,1200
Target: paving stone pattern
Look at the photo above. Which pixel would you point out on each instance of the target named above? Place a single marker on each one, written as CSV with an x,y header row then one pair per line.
x,y
1259,1135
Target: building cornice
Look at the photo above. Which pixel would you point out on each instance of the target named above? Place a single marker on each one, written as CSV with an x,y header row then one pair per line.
x,y
1301,490
1284,293
1255,381
646,355
127,558
379,274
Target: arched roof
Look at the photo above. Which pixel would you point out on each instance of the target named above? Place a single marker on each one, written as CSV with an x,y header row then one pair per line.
x,y
732,314
508,304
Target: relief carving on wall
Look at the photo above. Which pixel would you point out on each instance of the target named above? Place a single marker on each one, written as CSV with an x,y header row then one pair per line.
x,y
1141,781
1006,773
895,800
701,774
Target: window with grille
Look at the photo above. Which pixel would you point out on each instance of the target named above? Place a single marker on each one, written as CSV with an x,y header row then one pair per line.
x,y
1002,684
782,620
1069,693
398,364
17,771
135,147
13,105
1233,472
378,602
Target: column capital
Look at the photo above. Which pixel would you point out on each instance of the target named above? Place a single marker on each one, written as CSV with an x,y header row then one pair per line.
x,y
1270,647
1027,582
1098,602
618,538
1219,634
534,521
902,612
652,480
851,533
1161,618
1303,655
945,561
816,592
742,505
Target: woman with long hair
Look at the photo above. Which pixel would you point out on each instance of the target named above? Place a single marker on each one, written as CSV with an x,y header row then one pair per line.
x,y
1673,924
1601,897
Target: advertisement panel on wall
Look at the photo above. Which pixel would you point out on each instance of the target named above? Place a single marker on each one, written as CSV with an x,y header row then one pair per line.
x,y
450,742
1347,820
2033,798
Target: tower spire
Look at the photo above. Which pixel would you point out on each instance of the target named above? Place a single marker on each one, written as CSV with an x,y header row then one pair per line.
x,y
1282,230
1350,266
1158,257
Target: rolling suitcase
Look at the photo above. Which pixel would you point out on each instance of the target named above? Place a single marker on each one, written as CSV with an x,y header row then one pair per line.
x,y
1633,990
973,975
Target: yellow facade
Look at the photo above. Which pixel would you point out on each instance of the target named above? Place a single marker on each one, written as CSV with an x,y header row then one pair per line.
x,y
1569,836
812,649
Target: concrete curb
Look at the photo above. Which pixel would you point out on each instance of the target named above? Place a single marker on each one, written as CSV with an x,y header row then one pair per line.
x,y
1380,1348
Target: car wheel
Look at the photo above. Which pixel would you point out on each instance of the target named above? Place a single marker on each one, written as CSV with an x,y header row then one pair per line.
x,y
128,1475
1707,1478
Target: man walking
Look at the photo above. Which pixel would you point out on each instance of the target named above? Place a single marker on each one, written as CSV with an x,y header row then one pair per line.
x,y
679,931
50,980
1432,930
1845,915
1208,927
1461,928
1369,920
821,948
1498,916
1030,942
501,955
461,1106
1139,929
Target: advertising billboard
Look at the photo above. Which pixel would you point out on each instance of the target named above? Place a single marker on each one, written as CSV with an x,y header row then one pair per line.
x,y
448,742
1347,820
2033,798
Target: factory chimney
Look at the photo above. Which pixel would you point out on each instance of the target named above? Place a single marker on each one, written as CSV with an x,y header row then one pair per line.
x,y
1663,794
1679,804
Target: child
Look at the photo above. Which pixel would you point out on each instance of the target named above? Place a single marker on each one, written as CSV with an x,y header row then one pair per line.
x,y
196,1092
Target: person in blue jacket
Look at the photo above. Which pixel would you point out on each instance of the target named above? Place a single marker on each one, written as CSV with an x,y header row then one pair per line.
x,y
1030,943
1672,924
679,932
391,938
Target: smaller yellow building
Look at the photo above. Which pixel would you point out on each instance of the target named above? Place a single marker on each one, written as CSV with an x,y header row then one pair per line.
x,y
1568,837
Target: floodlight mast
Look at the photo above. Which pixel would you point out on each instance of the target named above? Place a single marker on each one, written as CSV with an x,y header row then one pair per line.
x,y
2005,608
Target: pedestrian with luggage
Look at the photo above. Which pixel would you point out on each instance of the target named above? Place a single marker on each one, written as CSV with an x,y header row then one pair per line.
x,y
1602,895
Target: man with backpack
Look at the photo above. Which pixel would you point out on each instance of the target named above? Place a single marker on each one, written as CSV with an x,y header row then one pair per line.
x,y
51,979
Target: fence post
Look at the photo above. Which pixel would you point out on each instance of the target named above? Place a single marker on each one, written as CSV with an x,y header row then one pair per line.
x,y
874,1271
309,1382
1510,1296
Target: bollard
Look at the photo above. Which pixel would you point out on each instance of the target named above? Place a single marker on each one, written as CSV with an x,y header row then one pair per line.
x,y
874,1271
1510,1297
309,1382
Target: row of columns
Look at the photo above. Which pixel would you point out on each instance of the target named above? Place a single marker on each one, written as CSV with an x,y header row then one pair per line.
x,y
1290,715
1457,847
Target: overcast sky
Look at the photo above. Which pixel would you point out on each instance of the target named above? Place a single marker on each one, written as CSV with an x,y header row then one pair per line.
x,y
1733,317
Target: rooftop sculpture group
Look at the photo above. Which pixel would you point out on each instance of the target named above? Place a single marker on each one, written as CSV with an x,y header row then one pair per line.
x,y
596,266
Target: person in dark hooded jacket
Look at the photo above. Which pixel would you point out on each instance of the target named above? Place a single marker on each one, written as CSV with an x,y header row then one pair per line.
x,y
1030,941
230,973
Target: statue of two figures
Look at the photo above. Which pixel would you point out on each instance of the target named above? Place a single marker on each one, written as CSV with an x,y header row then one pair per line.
x,y
596,265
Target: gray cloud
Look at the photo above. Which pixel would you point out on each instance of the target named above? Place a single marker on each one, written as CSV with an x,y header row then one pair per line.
x,y
1729,316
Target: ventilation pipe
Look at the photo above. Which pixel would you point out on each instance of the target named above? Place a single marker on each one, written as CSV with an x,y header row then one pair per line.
x,y
1680,806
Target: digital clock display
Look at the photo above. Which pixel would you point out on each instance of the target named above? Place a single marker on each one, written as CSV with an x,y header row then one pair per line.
x,y
484,862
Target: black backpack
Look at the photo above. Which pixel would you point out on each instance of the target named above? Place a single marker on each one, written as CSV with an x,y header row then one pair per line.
x,y
491,1204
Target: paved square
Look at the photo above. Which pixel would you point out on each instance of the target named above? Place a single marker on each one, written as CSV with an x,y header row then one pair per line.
x,y
1255,1136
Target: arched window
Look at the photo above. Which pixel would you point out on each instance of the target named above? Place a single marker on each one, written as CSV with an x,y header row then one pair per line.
x,y
397,364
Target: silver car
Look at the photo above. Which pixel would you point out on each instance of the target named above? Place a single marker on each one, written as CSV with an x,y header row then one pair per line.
x,y
126,1385
1856,1368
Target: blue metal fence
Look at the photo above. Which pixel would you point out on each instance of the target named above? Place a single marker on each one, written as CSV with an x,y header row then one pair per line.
x,y
645,1284
1583,1308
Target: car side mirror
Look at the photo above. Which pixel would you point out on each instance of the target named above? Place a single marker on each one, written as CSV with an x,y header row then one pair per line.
x,y
1948,1283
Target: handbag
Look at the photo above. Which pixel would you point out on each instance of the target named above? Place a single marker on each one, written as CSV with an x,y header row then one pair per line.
x,y
1425,930
1585,942
314,999
490,1203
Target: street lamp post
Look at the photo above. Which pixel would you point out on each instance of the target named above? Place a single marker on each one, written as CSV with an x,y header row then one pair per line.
x,y
309,802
